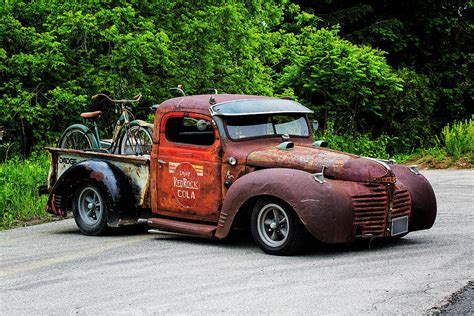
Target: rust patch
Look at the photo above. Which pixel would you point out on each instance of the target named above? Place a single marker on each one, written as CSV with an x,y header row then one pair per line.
x,y
99,176
338,165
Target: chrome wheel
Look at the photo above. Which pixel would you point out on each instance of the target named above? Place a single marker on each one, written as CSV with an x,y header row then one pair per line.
x,y
90,206
272,225
276,228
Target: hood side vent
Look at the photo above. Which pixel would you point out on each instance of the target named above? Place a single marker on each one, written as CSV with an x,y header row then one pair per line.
x,y
286,146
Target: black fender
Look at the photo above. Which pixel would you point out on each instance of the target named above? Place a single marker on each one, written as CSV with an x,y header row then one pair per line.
x,y
424,208
112,181
325,209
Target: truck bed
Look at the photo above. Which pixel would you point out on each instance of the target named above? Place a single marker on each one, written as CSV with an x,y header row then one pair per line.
x,y
136,168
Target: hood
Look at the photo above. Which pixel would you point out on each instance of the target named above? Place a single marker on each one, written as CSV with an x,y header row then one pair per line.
x,y
337,165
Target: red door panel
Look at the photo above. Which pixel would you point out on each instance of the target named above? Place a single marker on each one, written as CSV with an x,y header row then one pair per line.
x,y
188,174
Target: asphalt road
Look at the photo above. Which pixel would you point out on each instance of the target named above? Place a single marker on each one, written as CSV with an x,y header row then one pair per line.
x,y
53,269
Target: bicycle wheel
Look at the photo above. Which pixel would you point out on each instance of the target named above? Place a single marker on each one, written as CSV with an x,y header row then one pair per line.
x,y
137,140
76,137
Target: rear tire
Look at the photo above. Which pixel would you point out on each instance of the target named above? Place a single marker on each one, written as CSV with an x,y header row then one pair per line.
x,y
74,137
275,228
90,209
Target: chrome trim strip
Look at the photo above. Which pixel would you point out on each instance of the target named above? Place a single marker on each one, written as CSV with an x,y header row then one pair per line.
x,y
386,166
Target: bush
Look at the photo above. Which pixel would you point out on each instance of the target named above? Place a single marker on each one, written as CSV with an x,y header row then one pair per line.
x,y
361,144
340,81
458,138
19,182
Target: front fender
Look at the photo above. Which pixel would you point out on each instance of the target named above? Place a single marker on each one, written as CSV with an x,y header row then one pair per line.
x,y
111,179
323,208
424,207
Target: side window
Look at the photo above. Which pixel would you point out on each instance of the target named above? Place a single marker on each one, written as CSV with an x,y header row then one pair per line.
x,y
189,130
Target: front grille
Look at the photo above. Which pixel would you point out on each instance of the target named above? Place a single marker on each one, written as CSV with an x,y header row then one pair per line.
x,y
401,204
370,211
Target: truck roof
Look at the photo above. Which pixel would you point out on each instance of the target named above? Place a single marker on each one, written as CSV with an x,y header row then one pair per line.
x,y
201,103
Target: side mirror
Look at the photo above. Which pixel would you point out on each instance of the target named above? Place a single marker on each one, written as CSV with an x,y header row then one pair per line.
x,y
315,125
201,125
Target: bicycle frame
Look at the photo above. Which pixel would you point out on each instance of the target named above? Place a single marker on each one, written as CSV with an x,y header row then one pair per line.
x,y
120,128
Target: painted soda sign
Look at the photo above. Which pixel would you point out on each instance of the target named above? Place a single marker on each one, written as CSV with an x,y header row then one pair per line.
x,y
186,183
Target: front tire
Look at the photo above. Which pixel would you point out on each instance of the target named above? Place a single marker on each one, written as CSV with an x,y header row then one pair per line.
x,y
90,209
275,228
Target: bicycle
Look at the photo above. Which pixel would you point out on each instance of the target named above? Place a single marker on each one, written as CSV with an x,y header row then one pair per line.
x,y
130,136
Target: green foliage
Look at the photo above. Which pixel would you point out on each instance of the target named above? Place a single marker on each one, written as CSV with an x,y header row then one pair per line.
x,y
19,180
227,46
409,115
345,82
454,147
458,138
432,38
359,144
54,55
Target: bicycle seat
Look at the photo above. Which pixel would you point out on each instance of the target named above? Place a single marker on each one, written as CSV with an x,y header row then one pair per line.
x,y
91,115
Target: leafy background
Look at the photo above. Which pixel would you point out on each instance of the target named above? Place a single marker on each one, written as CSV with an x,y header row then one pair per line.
x,y
400,70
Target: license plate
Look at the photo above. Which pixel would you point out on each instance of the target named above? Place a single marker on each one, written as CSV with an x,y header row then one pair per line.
x,y
399,225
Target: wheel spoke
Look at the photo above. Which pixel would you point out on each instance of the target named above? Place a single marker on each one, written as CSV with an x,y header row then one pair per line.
x,y
276,214
267,222
283,220
274,235
89,213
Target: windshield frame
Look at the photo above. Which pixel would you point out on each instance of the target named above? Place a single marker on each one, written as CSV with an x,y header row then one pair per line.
x,y
302,115
265,106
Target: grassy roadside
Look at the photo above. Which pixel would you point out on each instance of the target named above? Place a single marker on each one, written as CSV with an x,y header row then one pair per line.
x,y
453,149
436,158
19,201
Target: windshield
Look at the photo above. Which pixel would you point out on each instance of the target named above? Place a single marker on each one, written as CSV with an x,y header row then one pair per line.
x,y
251,126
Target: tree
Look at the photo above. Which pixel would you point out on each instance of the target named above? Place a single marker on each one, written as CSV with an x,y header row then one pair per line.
x,y
346,82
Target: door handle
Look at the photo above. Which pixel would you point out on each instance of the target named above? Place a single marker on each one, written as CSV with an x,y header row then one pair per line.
x,y
161,162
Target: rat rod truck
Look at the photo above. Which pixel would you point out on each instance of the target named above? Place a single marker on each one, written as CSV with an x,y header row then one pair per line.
x,y
220,162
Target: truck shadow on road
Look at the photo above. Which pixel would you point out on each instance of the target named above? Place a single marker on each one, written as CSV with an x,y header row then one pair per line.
x,y
242,240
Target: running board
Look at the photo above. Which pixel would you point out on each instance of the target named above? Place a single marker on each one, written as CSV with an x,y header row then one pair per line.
x,y
183,227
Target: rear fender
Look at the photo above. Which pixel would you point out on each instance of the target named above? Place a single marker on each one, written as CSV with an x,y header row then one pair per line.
x,y
120,199
85,129
323,208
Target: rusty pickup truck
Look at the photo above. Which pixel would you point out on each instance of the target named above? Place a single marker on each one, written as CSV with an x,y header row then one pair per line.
x,y
220,162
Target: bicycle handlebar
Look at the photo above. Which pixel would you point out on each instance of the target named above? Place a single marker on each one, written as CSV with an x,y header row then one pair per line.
x,y
135,98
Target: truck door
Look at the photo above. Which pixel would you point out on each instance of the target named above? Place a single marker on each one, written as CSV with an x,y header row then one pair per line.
x,y
189,164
